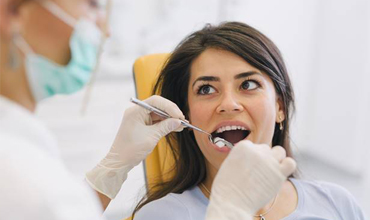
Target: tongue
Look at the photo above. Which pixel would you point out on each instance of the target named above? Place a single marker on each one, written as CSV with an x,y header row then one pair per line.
x,y
233,136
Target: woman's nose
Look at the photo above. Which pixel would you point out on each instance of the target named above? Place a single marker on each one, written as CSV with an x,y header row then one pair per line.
x,y
229,104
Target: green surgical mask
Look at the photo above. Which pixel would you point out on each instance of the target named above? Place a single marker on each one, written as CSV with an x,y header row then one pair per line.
x,y
47,78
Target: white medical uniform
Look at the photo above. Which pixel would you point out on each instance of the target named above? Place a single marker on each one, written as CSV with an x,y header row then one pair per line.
x,y
34,183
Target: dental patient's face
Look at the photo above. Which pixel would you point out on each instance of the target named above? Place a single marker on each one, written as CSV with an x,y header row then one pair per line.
x,y
230,99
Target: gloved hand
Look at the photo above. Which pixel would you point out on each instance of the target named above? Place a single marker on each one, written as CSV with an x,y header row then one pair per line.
x,y
136,138
250,176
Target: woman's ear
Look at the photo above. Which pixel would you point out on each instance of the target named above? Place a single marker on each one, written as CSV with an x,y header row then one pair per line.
x,y
280,110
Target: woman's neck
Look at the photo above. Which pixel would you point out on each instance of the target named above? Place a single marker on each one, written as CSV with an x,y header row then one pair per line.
x,y
13,81
211,174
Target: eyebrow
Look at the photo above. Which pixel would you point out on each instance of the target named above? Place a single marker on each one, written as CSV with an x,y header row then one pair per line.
x,y
217,79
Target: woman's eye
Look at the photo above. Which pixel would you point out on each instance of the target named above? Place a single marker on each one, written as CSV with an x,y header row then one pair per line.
x,y
205,90
249,85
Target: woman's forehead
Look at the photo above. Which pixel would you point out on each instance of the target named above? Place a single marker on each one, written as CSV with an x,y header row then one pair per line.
x,y
220,63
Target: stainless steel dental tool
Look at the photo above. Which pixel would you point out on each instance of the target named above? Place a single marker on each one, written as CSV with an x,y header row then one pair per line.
x,y
220,142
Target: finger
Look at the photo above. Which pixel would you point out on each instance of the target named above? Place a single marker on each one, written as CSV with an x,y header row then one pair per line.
x,y
165,105
255,147
279,153
263,147
138,113
180,128
245,149
156,118
167,126
288,166
242,147
244,143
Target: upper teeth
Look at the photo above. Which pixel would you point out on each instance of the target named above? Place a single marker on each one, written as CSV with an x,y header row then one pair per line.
x,y
229,128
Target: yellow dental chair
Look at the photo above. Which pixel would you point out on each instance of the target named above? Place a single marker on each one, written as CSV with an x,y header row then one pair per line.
x,y
158,164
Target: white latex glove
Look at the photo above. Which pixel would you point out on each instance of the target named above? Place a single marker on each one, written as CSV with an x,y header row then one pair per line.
x,y
248,179
136,138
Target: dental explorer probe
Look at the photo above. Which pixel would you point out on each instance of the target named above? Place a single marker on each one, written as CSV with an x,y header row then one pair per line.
x,y
220,142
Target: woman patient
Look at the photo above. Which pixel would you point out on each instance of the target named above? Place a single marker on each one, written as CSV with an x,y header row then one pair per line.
x,y
231,81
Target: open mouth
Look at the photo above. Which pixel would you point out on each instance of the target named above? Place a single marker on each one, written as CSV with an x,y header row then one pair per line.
x,y
232,134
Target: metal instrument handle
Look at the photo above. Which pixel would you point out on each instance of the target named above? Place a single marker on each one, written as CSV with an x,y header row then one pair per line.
x,y
166,115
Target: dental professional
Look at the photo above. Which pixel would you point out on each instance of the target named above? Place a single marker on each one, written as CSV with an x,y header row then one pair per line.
x,y
50,47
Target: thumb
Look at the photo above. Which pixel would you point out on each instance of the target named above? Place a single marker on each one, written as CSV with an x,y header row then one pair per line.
x,y
288,166
167,126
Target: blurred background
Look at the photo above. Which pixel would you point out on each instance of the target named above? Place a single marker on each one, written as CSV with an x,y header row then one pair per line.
x,y
326,46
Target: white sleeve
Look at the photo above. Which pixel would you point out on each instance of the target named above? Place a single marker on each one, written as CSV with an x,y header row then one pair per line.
x,y
35,185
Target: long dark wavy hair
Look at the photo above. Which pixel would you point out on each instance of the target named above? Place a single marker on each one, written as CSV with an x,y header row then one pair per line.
x,y
243,40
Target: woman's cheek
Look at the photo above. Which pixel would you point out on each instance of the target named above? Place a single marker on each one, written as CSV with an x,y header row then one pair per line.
x,y
198,114
263,116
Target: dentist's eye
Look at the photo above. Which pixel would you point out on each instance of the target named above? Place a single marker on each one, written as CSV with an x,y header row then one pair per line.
x,y
94,3
205,90
249,85
97,4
